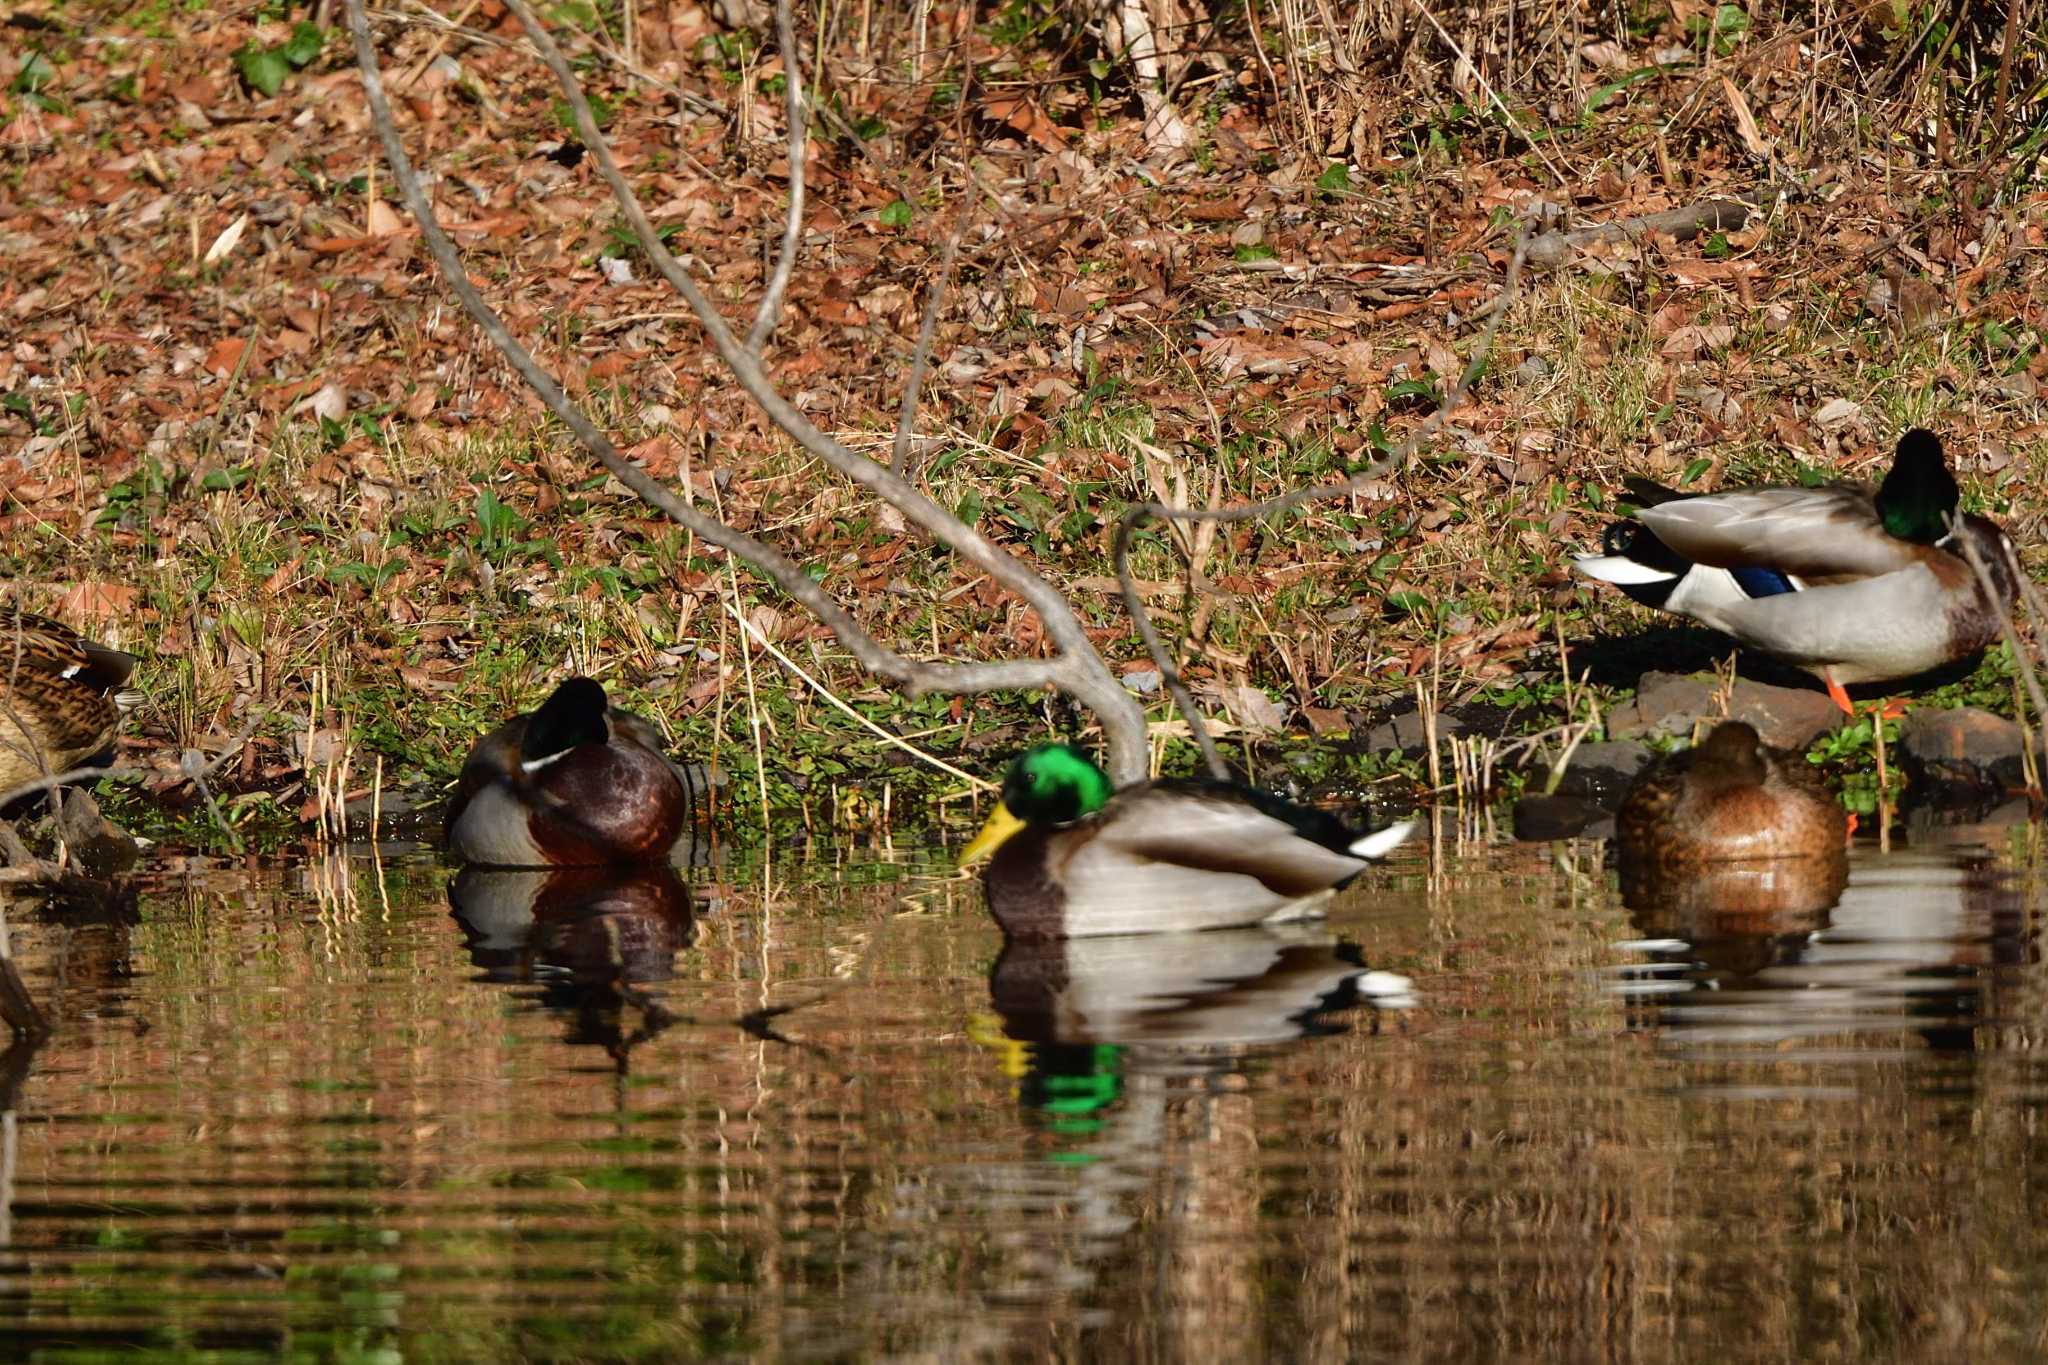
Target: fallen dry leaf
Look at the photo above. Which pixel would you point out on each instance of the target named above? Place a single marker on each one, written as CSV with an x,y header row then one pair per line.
x,y
97,601
225,243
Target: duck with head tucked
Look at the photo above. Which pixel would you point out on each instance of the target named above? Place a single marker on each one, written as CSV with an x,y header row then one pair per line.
x,y
1071,857
1730,797
61,698
577,783
1850,583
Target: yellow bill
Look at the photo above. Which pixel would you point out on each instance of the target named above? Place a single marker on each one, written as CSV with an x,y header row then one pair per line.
x,y
1001,825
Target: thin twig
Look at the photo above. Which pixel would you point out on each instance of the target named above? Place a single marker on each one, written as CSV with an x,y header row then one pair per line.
x,y
921,357
54,780
1139,513
770,311
1077,668
898,741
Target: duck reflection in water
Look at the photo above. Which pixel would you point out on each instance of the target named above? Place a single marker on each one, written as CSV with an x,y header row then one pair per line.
x,y
1211,990
589,937
1134,1059
1080,1016
1910,941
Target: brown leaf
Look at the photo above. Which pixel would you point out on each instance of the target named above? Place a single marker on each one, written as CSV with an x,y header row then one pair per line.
x,y
1021,114
1252,708
382,219
1688,342
225,356
96,601
1326,721
1745,122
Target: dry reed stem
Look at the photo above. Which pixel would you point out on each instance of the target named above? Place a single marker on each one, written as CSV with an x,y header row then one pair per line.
x,y
835,701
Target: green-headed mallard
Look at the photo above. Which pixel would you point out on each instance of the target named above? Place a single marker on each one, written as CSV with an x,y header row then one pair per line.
x,y
1731,796
1072,858
573,784
1849,583
61,697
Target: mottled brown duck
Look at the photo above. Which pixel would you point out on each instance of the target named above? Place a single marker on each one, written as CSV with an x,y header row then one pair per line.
x,y
1731,796
61,697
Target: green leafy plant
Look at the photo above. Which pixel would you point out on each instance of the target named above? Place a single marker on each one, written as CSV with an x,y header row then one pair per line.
x,y
30,78
266,69
1722,31
601,109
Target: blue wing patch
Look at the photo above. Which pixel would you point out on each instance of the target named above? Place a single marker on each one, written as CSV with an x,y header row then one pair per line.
x,y
1762,582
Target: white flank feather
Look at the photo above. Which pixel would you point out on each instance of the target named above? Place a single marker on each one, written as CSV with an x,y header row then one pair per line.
x,y
1619,569
1381,842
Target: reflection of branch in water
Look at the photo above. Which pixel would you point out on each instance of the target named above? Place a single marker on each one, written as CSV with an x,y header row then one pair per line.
x,y
760,1024
17,1007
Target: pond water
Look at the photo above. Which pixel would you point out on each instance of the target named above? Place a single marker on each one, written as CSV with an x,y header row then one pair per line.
x,y
811,1110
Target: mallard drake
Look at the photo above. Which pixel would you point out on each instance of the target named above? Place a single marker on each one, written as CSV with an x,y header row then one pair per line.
x,y
1849,583
1731,796
576,783
61,697
1069,857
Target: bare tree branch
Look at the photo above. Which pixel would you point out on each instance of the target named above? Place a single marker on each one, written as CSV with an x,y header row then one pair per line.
x,y
1139,513
921,356
1551,249
799,141
51,781
1076,669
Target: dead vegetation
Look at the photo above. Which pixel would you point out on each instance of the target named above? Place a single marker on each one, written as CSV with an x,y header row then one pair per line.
x,y
245,435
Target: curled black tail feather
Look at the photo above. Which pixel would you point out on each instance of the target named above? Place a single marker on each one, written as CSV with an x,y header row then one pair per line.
x,y
1633,540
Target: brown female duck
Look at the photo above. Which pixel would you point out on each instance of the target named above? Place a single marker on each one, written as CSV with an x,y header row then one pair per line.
x,y
61,697
1731,796
576,783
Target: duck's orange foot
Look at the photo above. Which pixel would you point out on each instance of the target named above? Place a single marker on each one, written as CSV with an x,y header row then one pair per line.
x,y
1891,709
1838,693
1850,835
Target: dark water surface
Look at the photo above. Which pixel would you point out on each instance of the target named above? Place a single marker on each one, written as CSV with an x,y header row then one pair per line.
x,y
818,1113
